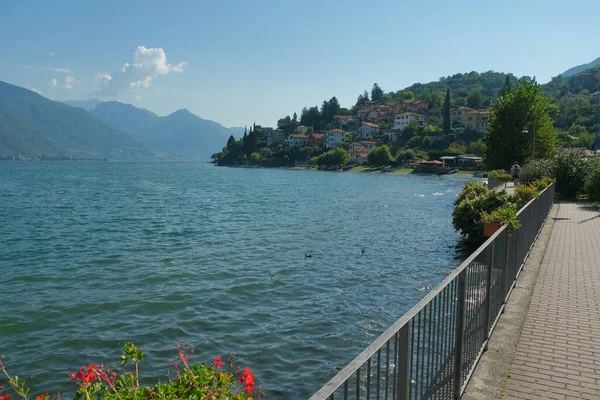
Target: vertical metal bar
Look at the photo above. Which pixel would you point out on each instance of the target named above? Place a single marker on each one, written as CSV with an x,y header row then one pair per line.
x,y
369,379
424,311
411,352
346,390
430,346
358,383
417,349
387,369
460,309
506,267
395,363
404,361
378,372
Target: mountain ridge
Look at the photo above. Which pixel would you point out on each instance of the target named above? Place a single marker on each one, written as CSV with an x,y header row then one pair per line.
x,y
33,126
581,68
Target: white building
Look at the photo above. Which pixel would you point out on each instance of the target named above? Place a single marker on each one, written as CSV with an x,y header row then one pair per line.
x,y
358,156
368,130
405,119
335,137
295,141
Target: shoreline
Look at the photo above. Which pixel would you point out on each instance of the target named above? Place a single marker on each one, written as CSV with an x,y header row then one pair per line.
x,y
394,171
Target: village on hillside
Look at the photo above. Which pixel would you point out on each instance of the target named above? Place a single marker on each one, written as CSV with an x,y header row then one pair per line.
x,y
427,127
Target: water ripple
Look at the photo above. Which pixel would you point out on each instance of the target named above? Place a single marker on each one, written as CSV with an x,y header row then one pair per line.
x,y
96,254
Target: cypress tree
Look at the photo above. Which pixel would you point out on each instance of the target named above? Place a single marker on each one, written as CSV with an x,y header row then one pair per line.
x,y
447,125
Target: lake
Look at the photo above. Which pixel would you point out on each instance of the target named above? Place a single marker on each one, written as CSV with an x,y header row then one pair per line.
x,y
96,254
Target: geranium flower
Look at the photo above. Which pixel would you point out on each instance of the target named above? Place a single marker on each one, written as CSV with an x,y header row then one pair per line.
x,y
217,362
248,379
85,375
42,396
5,397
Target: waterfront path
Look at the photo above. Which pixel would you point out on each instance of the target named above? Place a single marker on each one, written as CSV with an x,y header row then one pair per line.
x,y
554,351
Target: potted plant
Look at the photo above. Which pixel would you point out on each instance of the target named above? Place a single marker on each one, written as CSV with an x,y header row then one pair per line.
x,y
492,221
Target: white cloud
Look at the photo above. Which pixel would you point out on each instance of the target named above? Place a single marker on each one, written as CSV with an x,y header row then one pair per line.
x,y
53,83
155,60
102,80
33,89
70,82
146,82
146,65
63,70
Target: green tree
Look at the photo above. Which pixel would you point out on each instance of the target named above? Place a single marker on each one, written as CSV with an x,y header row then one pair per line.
x,y
376,93
447,126
380,156
254,159
426,142
230,141
478,147
475,98
408,95
514,119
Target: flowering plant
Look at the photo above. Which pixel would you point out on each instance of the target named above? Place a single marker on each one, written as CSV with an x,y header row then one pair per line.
x,y
193,381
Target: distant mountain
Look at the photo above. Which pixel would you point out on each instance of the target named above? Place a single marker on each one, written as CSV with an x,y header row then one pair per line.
x,y
581,68
181,136
124,117
85,104
584,82
33,126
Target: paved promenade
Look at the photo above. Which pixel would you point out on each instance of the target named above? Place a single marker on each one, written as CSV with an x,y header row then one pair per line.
x,y
558,352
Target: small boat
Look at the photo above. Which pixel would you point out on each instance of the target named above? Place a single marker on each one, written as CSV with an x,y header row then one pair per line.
x,y
386,168
348,167
453,171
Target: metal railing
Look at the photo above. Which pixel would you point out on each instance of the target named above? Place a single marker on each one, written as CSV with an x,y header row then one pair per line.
x,y
432,351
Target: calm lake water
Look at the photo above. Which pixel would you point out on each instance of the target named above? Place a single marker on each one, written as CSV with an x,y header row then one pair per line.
x,y
96,254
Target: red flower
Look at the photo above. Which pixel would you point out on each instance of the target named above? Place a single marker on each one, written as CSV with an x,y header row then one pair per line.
x,y
248,379
217,362
85,375
43,396
5,397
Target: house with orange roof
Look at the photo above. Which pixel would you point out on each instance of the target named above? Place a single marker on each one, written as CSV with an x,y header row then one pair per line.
x,y
358,156
316,139
477,120
295,140
343,120
368,130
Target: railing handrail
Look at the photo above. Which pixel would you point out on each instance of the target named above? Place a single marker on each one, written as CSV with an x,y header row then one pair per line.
x,y
338,380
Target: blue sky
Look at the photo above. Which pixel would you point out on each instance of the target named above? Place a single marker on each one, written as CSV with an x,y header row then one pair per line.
x,y
237,62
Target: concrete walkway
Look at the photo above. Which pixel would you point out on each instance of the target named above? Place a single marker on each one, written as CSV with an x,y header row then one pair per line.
x,y
558,352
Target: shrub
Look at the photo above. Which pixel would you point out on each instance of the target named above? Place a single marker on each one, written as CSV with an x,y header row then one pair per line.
x,y
193,381
570,172
506,214
474,200
534,170
524,194
501,175
592,184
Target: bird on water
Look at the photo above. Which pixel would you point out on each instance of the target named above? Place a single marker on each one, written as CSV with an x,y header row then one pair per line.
x,y
307,255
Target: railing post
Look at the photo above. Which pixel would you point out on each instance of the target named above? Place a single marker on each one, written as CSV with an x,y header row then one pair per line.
x,y
506,268
460,320
404,361
488,293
